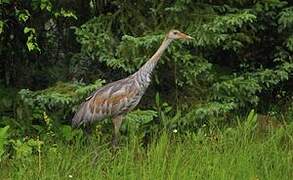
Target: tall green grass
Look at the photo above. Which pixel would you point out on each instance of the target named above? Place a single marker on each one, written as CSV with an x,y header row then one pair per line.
x,y
231,153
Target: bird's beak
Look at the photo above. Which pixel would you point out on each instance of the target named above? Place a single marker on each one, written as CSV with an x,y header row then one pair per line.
x,y
185,36
189,37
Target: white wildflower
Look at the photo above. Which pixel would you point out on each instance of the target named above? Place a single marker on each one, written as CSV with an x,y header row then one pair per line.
x,y
175,131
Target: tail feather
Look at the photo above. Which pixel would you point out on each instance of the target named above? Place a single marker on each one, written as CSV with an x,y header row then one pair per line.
x,y
78,118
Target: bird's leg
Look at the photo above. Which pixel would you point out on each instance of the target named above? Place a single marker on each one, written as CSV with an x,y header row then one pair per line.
x,y
88,129
117,121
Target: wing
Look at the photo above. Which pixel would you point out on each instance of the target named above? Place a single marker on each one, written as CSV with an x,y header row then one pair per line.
x,y
112,99
105,88
109,100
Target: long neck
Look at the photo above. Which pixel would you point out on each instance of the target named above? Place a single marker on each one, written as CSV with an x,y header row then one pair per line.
x,y
144,73
149,66
154,59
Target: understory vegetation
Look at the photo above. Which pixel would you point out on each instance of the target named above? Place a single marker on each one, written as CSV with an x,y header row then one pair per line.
x,y
244,151
219,107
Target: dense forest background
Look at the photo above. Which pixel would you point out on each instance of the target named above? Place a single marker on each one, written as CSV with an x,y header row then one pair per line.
x,y
54,53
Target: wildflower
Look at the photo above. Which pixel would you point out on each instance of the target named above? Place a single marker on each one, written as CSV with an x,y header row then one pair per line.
x,y
175,131
70,176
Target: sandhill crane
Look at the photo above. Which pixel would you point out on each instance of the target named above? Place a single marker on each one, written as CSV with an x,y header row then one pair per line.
x,y
117,98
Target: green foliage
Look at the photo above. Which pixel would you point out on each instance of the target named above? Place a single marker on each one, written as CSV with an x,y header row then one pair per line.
x,y
24,149
136,119
58,100
60,95
289,43
248,128
65,13
240,59
69,134
3,140
285,19
23,29
31,40
23,15
225,31
205,154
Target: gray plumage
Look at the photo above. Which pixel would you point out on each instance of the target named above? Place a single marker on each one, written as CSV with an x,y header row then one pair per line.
x,y
117,98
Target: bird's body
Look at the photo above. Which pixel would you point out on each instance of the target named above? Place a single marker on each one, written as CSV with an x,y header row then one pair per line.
x,y
111,100
117,98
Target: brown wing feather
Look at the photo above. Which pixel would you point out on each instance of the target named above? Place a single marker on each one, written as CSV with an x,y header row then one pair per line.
x,y
109,100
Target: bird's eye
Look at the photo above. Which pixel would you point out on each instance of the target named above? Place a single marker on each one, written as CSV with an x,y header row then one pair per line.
x,y
175,33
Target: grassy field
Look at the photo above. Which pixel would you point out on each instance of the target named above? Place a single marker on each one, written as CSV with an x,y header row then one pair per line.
x,y
241,152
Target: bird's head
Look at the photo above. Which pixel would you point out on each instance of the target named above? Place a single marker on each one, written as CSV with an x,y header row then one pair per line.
x,y
175,34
